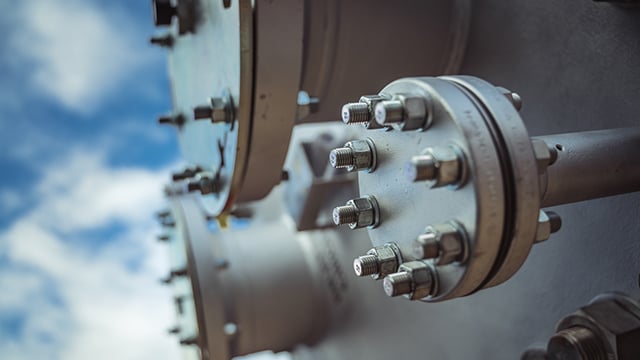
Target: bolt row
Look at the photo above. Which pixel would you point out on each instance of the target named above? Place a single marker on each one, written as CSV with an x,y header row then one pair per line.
x,y
440,244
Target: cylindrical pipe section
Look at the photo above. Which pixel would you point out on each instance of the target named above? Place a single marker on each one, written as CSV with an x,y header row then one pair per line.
x,y
592,164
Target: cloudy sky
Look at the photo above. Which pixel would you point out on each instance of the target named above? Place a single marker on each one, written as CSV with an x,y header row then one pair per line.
x,y
82,163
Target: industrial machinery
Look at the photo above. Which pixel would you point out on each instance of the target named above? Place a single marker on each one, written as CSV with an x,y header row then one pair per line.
x,y
297,116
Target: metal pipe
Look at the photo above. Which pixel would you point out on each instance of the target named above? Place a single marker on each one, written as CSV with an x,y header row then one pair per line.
x,y
592,164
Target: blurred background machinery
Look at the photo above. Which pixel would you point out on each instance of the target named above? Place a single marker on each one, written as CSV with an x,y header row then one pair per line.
x,y
445,181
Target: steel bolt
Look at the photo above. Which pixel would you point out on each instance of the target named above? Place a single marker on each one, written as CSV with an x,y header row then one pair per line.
x,y
344,215
379,261
163,40
216,111
171,119
415,279
421,168
548,223
189,341
440,165
389,111
355,113
513,97
365,265
397,284
355,155
358,213
205,183
443,242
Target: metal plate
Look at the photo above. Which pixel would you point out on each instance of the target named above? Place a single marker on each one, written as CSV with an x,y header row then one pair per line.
x,y
218,57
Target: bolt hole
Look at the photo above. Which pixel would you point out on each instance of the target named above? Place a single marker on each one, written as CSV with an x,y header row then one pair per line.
x,y
559,147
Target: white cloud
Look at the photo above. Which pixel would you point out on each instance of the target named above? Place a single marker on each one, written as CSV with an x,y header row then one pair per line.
x,y
106,309
80,52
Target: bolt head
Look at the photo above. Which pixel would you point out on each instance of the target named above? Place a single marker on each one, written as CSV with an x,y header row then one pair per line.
x,y
548,223
544,155
219,110
448,164
424,281
426,246
421,168
451,242
397,284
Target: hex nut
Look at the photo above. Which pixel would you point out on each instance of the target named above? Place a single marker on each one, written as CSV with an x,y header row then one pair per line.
x,y
219,110
366,212
448,163
513,97
446,243
423,279
615,319
415,112
545,156
389,258
426,246
452,243
548,223
364,154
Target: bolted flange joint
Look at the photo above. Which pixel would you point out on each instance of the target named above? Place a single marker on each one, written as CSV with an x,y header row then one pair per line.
x,y
355,155
358,213
218,110
445,243
379,261
415,280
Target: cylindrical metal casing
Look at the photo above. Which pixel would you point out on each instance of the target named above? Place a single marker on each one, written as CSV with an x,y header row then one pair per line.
x,y
591,165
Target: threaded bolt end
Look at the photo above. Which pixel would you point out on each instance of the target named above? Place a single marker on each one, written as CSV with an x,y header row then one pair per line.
x,y
421,168
344,215
365,265
576,342
388,112
398,284
202,112
341,157
355,113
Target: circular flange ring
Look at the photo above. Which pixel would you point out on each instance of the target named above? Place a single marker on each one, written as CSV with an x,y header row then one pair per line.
x,y
478,205
524,173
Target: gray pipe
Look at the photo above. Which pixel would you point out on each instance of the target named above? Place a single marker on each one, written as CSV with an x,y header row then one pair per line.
x,y
592,164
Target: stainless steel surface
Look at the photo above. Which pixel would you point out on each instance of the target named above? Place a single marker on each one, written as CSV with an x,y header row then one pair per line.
x,y
265,53
252,287
592,164
575,65
473,122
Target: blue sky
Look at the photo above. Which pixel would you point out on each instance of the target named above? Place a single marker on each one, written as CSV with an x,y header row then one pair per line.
x,y
83,163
